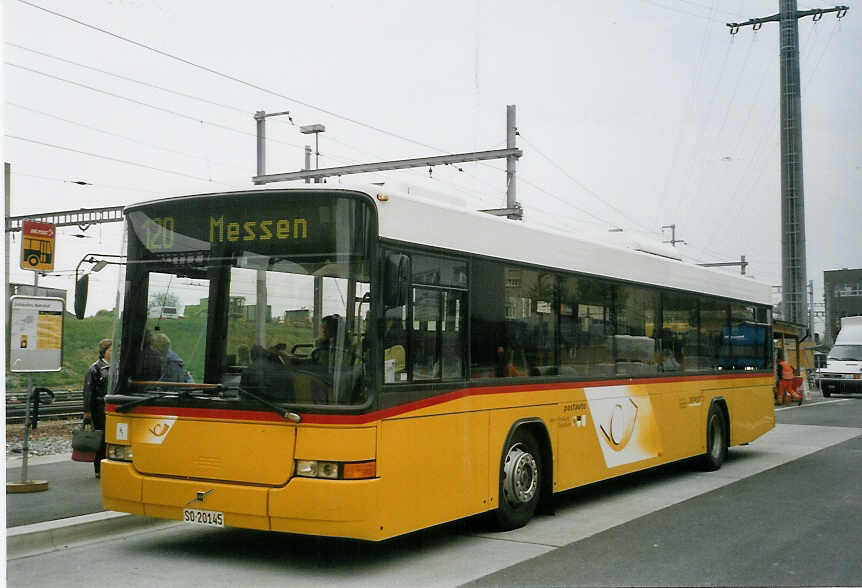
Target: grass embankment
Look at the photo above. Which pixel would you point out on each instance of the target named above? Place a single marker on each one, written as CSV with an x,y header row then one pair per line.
x,y
187,335
80,341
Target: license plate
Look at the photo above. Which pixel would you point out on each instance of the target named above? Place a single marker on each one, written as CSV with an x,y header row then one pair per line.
x,y
208,518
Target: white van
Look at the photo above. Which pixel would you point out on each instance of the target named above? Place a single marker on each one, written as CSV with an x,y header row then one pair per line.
x,y
165,312
843,371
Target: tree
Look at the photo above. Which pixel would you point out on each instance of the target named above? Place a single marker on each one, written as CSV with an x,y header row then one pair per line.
x,y
163,299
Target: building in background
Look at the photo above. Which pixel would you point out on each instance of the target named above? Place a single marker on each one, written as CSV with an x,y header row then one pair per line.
x,y
30,290
842,291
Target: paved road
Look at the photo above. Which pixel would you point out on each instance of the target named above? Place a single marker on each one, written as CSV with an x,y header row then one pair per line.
x,y
798,524
72,491
783,510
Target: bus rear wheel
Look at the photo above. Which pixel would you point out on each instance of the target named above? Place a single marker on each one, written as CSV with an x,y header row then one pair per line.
x,y
520,481
716,440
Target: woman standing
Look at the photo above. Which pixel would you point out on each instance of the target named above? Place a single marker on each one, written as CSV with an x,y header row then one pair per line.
x,y
95,387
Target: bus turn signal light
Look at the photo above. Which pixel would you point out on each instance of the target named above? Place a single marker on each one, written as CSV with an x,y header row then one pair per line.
x,y
331,470
360,470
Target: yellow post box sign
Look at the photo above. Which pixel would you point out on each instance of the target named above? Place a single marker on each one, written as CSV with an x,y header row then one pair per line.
x,y
37,246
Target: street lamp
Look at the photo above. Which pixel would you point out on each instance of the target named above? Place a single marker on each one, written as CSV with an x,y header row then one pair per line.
x,y
315,130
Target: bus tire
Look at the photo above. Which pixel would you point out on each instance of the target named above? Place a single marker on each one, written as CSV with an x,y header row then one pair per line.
x,y
827,393
33,260
520,481
716,440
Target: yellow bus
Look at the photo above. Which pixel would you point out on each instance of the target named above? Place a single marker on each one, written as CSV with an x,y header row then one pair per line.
x,y
454,363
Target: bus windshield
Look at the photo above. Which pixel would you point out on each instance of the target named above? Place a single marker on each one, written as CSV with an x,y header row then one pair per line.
x,y
268,293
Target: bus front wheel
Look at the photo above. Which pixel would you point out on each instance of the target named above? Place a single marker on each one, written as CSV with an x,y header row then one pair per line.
x,y
33,260
716,440
520,481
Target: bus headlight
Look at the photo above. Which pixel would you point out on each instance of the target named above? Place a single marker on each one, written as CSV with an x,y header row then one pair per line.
x,y
119,452
333,470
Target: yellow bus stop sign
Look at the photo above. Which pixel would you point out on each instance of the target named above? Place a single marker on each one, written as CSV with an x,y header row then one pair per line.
x,y
37,246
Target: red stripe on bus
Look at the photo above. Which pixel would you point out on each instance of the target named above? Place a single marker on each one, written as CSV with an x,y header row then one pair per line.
x,y
355,419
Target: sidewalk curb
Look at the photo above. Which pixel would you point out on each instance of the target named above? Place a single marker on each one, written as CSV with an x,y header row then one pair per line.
x,y
38,538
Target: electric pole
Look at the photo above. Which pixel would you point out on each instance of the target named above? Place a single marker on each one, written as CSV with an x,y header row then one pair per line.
x,y
793,278
811,308
673,240
741,263
511,154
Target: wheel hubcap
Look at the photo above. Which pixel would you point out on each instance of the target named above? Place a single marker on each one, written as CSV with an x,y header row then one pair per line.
x,y
520,476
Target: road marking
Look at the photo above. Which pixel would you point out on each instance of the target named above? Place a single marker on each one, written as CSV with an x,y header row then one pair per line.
x,y
812,404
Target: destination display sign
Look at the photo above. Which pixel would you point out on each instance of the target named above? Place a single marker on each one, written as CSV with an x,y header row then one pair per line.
x,y
268,224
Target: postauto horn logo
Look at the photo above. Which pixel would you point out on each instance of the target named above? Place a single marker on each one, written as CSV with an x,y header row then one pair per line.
x,y
624,423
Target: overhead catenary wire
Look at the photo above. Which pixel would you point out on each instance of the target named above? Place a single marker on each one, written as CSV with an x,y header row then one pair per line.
x,y
699,140
132,80
716,142
581,184
525,180
15,172
835,28
250,85
118,160
759,169
147,84
119,135
710,18
232,78
190,117
689,111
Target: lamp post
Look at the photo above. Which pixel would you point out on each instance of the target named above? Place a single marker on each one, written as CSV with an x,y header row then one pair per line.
x,y
315,130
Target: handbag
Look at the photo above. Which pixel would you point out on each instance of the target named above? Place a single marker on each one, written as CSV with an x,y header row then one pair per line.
x,y
85,443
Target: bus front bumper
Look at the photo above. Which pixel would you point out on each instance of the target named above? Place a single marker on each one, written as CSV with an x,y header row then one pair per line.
x,y
333,508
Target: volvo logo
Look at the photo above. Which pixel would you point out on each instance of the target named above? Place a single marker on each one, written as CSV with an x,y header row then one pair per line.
x,y
200,495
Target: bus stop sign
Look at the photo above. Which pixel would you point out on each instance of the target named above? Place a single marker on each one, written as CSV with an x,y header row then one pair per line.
x,y
37,246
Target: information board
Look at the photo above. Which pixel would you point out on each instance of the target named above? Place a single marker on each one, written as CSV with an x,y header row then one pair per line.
x,y
36,334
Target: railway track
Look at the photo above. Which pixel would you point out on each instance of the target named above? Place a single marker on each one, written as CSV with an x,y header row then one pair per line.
x,y
66,405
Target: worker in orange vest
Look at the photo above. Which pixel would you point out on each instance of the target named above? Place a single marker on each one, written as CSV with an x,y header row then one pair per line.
x,y
785,380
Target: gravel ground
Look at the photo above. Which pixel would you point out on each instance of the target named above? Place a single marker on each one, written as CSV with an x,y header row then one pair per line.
x,y
49,438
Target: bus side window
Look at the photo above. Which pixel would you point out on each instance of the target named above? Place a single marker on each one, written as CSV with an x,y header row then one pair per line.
x,y
453,335
586,327
395,345
635,348
679,333
437,335
424,341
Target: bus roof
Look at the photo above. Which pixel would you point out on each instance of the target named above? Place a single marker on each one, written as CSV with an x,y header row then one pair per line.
x,y
416,215
418,219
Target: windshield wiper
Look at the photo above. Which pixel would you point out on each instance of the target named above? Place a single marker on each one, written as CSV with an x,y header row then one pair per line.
x,y
127,406
218,388
184,393
283,412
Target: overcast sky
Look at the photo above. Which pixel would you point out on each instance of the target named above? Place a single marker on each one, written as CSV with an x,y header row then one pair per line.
x,y
632,113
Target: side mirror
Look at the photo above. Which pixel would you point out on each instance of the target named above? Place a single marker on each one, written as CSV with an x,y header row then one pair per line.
x,y
396,280
819,361
82,286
